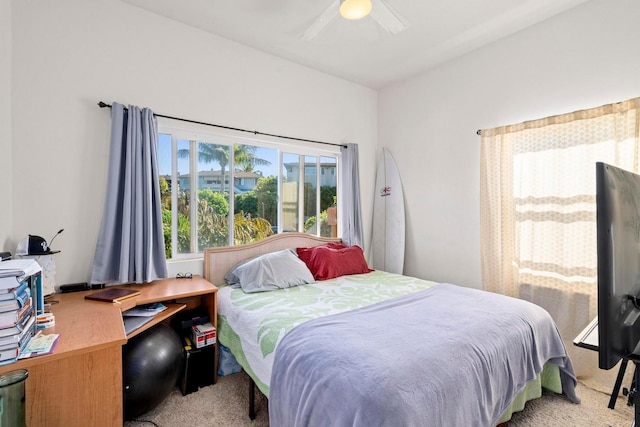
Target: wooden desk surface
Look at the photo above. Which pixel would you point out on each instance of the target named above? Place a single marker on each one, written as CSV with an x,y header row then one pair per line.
x,y
86,325
166,289
82,326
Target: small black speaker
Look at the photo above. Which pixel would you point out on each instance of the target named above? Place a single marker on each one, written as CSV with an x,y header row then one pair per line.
x,y
74,287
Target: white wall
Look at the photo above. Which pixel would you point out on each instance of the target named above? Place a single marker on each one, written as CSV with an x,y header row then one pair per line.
x,y
584,58
5,126
68,55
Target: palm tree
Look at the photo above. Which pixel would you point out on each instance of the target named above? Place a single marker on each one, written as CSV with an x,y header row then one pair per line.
x,y
209,153
244,156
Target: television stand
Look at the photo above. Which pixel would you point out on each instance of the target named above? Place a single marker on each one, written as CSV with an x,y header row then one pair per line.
x,y
588,339
633,395
629,392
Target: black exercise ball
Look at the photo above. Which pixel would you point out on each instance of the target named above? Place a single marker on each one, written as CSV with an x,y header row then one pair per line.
x,y
151,364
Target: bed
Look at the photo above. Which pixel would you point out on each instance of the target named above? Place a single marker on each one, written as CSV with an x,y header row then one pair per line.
x,y
376,348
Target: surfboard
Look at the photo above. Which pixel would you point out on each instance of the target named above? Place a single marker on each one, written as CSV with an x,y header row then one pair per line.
x,y
387,242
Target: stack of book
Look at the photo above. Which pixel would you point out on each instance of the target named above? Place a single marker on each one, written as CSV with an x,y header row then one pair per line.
x,y
17,314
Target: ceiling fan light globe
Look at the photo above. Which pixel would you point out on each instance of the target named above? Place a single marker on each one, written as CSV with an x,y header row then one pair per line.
x,y
355,9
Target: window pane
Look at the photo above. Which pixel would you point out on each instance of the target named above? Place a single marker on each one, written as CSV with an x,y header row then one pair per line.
x,y
164,170
255,192
213,195
328,198
184,202
290,179
310,194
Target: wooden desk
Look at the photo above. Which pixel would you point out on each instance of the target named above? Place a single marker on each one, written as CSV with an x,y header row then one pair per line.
x,y
80,384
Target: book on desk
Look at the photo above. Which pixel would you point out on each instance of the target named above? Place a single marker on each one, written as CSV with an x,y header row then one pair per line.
x,y
139,316
39,345
13,292
113,294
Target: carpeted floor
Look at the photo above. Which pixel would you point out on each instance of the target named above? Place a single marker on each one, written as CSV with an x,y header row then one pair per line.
x,y
226,404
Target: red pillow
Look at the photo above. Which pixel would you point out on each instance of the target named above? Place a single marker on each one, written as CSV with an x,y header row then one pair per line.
x,y
331,261
305,253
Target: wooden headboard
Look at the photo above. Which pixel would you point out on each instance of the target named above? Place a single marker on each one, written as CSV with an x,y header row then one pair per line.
x,y
217,261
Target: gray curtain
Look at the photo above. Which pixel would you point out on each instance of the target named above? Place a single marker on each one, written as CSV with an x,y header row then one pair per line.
x,y
350,210
130,247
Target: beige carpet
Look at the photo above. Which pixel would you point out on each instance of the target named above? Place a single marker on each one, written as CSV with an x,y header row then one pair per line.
x,y
226,404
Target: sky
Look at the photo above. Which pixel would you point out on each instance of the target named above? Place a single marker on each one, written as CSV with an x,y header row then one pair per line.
x,y
269,154
164,159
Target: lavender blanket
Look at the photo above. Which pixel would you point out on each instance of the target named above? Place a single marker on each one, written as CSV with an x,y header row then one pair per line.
x,y
460,357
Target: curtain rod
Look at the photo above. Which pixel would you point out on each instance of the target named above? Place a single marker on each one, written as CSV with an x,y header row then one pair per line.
x,y
102,104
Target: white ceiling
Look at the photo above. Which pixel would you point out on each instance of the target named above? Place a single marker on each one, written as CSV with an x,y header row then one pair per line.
x,y
361,51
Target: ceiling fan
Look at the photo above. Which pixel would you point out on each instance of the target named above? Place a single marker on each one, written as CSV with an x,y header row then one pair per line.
x,y
356,9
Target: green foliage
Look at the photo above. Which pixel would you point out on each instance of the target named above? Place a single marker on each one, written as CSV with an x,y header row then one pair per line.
x,y
184,234
325,228
184,203
166,231
247,229
267,198
247,203
327,197
217,201
212,227
165,193
184,229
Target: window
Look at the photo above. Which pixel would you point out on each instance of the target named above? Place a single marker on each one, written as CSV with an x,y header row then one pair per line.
x,y
538,195
267,195
538,208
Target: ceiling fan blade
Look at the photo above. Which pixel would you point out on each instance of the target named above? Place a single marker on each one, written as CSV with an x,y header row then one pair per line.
x,y
322,21
387,19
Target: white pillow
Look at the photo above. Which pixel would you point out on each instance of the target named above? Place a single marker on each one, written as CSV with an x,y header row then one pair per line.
x,y
275,270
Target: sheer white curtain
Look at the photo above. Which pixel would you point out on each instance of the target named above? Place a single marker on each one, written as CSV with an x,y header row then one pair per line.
x,y
130,246
538,212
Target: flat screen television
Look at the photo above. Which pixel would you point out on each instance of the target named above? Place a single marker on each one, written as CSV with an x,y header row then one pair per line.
x,y
618,237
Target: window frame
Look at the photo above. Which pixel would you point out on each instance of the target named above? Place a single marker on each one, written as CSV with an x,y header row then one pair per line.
x,y
195,133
